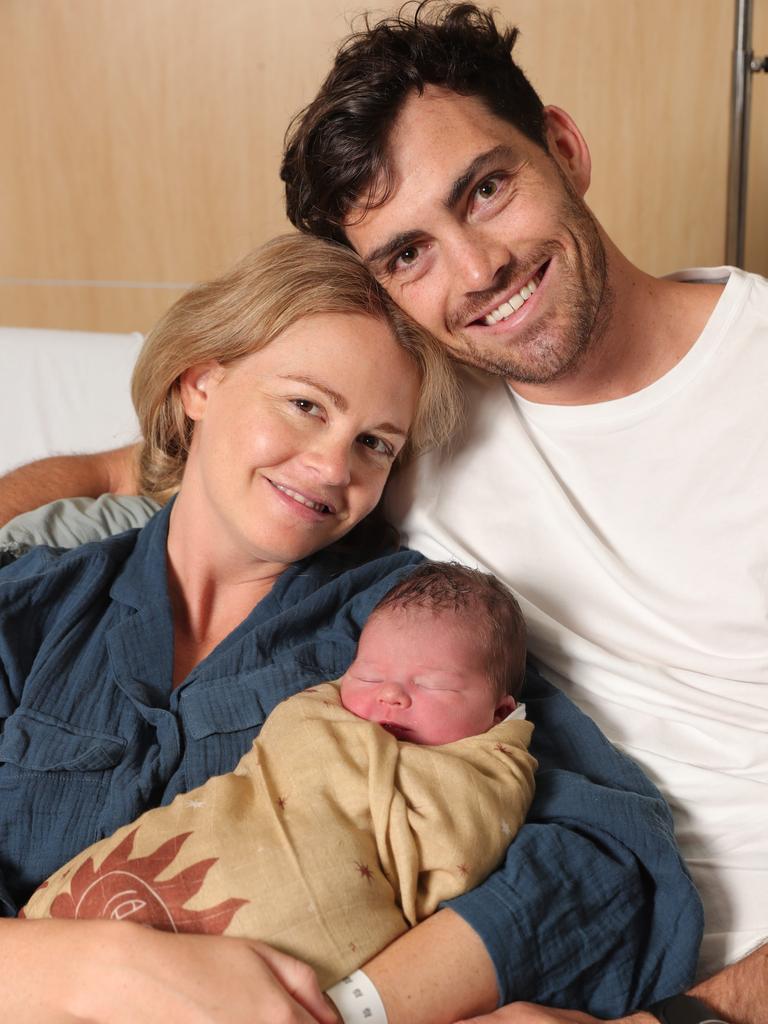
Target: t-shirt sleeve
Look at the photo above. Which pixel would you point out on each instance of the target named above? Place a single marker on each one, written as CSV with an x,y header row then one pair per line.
x,y
593,907
72,521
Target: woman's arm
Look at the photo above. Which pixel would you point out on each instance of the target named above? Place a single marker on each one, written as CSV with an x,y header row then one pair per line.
x,y
108,972
436,973
67,476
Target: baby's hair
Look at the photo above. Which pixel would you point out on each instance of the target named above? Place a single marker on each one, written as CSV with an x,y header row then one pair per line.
x,y
450,587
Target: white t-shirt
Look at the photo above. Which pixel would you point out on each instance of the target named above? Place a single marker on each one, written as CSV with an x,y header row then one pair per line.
x,y
635,534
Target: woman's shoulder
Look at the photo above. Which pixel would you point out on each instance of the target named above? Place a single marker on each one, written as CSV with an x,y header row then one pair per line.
x,y
349,570
46,564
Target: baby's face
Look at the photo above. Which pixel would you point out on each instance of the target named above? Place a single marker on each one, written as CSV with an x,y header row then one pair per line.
x,y
422,676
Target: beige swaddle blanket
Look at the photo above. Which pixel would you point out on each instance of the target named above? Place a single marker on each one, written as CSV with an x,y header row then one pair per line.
x,y
328,840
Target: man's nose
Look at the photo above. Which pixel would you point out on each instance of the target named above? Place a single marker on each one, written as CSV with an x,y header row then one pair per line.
x,y
478,258
394,695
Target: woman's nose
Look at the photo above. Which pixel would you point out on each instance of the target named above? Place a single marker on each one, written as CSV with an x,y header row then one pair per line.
x,y
331,461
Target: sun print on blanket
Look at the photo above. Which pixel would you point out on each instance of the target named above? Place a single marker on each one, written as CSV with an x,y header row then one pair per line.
x,y
122,889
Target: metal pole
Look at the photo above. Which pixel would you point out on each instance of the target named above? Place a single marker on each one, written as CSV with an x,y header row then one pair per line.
x,y
737,164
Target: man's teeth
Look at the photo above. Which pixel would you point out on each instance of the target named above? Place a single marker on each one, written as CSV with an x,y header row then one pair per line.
x,y
512,304
301,499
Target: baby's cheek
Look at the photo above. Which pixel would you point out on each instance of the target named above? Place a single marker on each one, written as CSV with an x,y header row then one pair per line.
x,y
353,700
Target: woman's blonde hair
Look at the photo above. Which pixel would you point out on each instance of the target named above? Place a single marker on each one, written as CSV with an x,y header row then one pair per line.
x,y
288,278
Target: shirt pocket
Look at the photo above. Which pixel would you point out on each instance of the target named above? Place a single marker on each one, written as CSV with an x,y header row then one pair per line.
x,y
54,788
36,742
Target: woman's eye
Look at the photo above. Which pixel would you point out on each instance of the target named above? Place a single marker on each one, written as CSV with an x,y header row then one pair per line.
x,y
377,444
305,405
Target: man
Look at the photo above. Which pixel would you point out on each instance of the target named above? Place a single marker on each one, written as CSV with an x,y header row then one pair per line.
x,y
610,473
429,153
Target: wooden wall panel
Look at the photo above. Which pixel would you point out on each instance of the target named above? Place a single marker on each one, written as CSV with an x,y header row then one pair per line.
x,y
93,308
648,84
146,136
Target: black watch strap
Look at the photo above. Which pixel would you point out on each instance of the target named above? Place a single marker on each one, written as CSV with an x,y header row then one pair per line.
x,y
684,1010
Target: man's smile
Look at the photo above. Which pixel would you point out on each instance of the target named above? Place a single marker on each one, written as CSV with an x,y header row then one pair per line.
x,y
514,302
512,299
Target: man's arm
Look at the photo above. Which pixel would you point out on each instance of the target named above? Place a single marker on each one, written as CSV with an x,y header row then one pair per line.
x,y
738,994
67,476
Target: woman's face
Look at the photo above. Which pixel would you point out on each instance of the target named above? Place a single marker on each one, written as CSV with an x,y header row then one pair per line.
x,y
292,445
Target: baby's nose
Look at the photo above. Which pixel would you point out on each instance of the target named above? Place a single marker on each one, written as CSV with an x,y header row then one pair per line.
x,y
392,693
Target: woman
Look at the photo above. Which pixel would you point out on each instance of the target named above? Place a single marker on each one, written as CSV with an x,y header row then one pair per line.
x,y
275,401
117,690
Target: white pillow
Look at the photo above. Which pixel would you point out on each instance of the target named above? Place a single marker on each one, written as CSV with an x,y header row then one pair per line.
x,y
64,392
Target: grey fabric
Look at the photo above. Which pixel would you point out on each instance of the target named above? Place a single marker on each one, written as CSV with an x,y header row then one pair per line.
x,y
71,521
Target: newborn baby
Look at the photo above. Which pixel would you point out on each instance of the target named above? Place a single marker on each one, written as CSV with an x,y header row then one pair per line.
x,y
361,805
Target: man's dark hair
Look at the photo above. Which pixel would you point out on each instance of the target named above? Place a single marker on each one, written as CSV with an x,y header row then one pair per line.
x,y
336,148
450,587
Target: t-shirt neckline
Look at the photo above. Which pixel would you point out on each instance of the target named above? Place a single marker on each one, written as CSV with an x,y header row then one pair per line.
x,y
622,411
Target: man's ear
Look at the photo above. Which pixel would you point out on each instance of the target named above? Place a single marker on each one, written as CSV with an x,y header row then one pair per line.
x,y
505,706
194,384
568,147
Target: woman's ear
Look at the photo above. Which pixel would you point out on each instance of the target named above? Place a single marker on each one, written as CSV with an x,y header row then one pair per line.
x,y
568,147
194,384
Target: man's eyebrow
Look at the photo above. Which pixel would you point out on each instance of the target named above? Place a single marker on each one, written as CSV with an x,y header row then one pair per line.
x,y
482,162
393,245
338,400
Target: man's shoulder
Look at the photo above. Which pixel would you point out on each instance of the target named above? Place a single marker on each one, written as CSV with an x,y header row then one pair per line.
x,y
70,522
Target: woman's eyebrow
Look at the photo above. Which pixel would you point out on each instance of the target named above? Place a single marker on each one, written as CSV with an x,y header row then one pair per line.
x,y
391,428
338,400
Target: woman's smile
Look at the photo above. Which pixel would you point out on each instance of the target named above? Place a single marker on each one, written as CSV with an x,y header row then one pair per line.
x,y
320,508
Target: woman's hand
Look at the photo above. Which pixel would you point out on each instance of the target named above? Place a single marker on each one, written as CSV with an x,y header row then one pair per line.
x,y
106,972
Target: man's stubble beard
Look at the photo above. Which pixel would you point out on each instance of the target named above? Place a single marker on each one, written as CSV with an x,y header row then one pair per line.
x,y
552,349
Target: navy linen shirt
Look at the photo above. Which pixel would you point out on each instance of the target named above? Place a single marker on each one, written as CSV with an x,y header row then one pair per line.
x,y
592,908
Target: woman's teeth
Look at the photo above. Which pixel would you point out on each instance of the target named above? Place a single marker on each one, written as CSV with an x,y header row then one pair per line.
x,y
512,304
301,499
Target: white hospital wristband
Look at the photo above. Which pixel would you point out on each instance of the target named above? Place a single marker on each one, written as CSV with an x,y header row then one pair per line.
x,y
357,999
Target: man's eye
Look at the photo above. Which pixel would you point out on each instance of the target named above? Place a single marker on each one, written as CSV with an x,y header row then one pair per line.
x,y
405,258
377,444
488,188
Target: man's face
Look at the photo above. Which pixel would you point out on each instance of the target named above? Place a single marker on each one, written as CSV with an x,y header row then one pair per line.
x,y
485,239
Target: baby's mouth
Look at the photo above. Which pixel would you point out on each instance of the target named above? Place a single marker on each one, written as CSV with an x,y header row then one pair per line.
x,y
398,731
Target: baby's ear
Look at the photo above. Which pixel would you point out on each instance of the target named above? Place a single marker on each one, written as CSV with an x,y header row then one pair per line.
x,y
505,707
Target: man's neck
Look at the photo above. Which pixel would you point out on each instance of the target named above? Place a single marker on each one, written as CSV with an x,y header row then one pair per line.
x,y
645,327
